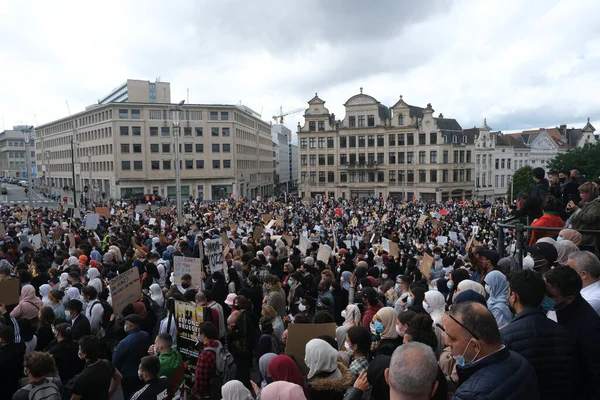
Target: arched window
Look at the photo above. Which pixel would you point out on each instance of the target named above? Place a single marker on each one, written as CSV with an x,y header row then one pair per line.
x,y
401,119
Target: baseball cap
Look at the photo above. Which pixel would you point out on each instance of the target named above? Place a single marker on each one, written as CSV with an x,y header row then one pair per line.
x,y
491,255
369,293
134,319
547,250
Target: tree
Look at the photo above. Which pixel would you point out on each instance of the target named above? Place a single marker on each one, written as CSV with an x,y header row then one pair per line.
x,y
522,182
585,159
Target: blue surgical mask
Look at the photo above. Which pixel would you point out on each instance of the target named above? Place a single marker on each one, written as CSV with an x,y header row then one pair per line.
x,y
140,375
437,256
460,359
450,285
290,283
547,303
379,328
409,301
397,288
125,328
560,238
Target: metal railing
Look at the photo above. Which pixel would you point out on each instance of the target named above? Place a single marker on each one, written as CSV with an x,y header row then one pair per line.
x,y
520,229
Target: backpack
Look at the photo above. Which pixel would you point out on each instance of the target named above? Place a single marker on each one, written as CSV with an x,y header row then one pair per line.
x,y
45,391
226,369
108,311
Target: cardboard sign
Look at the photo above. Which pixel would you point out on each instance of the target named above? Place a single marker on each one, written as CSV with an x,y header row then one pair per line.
x,y
257,235
288,240
104,211
226,244
453,236
304,244
422,220
10,291
279,223
299,335
187,265
426,265
214,252
324,253
394,252
43,233
266,218
470,243
91,221
270,224
385,244
188,318
125,289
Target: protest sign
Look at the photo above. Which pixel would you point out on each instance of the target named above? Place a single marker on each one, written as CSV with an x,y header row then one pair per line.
x,y
426,265
279,223
270,224
187,265
324,253
125,289
188,318
385,245
304,244
104,211
394,249
257,234
453,236
288,240
36,240
442,240
348,244
475,229
214,252
422,220
226,243
266,218
91,221
10,291
299,335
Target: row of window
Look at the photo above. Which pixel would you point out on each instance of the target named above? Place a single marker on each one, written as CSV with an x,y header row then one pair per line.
x,y
458,175
166,131
400,139
459,156
166,148
165,165
155,114
500,163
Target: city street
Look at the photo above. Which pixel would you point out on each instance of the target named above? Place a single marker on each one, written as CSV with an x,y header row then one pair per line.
x,y
16,195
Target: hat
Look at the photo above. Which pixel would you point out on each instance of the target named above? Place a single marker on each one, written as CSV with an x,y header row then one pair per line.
x,y
134,319
547,250
369,293
83,259
491,255
230,299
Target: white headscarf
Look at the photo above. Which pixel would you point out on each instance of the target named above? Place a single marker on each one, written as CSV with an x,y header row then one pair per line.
x,y
156,294
321,357
437,304
64,281
44,290
95,282
72,294
468,284
234,390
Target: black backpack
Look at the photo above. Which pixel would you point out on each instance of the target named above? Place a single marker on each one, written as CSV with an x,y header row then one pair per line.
x,y
108,311
226,369
44,391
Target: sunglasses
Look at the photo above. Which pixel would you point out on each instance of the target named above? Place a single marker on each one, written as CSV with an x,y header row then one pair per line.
x,y
458,322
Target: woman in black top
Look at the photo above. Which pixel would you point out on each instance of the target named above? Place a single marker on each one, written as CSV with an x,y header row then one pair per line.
x,y
66,353
44,331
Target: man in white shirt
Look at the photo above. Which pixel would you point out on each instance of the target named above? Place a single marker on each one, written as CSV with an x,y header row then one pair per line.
x,y
587,265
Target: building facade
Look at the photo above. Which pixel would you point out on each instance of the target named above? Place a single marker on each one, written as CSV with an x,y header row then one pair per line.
x,y
136,91
293,167
127,149
282,137
401,151
13,156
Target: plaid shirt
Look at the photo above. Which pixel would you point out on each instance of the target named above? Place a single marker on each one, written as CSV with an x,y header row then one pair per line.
x,y
205,370
357,366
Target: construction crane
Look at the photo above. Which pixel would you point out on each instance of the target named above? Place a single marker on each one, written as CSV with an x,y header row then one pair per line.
x,y
282,114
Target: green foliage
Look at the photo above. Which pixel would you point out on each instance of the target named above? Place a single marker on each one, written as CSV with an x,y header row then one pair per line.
x,y
522,182
585,159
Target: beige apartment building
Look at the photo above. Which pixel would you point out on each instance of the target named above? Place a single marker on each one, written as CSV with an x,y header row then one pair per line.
x,y
12,154
401,151
127,149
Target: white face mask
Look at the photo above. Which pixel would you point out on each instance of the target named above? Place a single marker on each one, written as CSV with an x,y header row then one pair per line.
x,y
427,308
348,348
488,289
528,262
384,276
301,308
344,314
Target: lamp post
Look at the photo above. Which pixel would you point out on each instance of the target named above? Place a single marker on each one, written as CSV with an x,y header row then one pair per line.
x,y
175,112
73,170
27,134
48,182
89,154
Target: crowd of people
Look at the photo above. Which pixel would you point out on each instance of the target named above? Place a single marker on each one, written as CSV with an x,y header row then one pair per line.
x,y
423,304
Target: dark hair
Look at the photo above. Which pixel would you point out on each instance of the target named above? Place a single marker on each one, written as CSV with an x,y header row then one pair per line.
x,y
186,277
323,317
90,292
477,320
74,274
538,173
332,342
65,330
529,286
40,364
46,316
361,337
406,316
7,333
209,330
420,329
565,279
271,279
166,338
551,204
301,319
243,302
151,365
57,294
266,325
90,346
74,305
459,275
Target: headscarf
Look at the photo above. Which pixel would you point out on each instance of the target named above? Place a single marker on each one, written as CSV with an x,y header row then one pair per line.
x,y
321,357
388,317
29,304
498,301
468,284
564,249
263,365
96,256
63,284
281,390
572,235
139,308
44,290
437,304
352,315
346,279
234,390
117,253
156,294
283,368
95,282
469,295
547,240
72,294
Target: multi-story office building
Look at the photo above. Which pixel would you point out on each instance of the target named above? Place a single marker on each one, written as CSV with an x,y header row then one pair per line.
x,y
136,91
282,137
127,149
400,151
293,167
12,153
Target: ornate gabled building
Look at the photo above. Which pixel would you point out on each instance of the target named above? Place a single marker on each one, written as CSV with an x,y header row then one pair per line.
x,y
401,151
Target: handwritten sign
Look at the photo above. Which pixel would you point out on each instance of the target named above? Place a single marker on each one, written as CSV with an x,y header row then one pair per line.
x,y
426,265
385,245
442,240
266,218
422,220
10,291
304,244
257,235
214,252
188,265
453,236
125,289
91,221
324,253
394,249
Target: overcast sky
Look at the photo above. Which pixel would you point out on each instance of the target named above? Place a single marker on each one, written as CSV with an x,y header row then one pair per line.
x,y
520,64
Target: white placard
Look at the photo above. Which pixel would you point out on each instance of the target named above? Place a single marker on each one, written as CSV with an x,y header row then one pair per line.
x,y
214,252
304,244
188,265
453,236
442,240
91,221
324,253
385,245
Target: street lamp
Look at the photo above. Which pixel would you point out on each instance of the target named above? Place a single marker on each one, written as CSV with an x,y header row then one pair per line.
x,y
27,135
175,113
48,182
89,155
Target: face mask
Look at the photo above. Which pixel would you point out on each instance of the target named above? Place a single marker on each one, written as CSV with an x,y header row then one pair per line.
x,y
344,314
547,303
379,328
559,239
290,283
562,180
80,355
384,276
301,308
68,315
437,257
460,359
155,351
373,329
528,262
348,348
450,285
488,289
399,331
125,328
427,308
409,301
140,375
338,270
397,288
359,287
